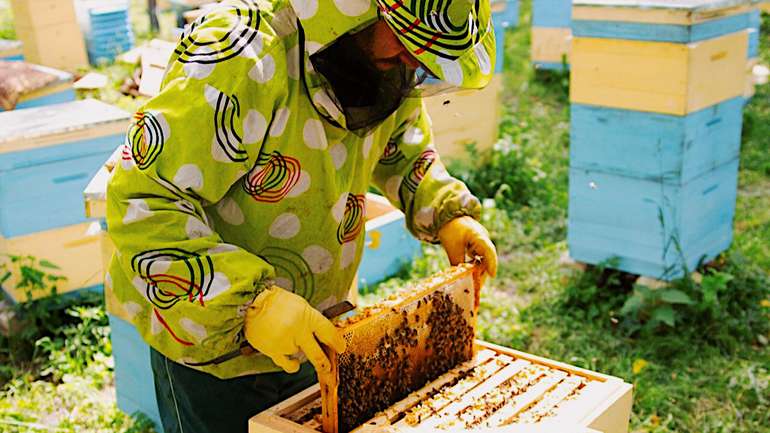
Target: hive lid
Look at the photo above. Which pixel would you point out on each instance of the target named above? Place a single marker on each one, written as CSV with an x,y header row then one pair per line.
x,y
59,123
687,5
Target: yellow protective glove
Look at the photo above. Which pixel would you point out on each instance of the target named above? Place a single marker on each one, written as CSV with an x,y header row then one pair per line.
x,y
465,237
280,324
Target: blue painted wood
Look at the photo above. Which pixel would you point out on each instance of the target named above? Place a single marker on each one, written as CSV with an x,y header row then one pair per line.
x,y
507,18
134,383
16,58
388,248
67,95
652,228
551,13
43,188
753,51
661,32
667,148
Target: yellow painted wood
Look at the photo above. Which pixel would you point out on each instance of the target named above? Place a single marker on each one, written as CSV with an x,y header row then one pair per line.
x,y
39,13
606,410
652,15
765,7
75,249
659,77
550,44
465,116
59,45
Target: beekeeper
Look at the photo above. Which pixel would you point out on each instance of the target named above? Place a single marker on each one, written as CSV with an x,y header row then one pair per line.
x,y
238,207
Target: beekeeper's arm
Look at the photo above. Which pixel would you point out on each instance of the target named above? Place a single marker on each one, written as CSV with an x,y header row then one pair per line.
x,y
438,207
186,148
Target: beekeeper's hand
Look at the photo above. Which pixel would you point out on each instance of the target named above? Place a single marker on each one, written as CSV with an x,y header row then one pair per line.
x,y
280,324
465,237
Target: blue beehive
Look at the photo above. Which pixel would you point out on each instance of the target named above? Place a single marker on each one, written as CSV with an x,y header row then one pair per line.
x,y
505,14
653,184
550,33
47,156
110,33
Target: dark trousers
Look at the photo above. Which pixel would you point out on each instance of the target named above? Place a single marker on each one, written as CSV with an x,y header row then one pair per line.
x,y
191,401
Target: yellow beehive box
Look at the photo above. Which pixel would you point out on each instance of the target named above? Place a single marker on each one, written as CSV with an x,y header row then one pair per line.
x,y
661,77
41,13
50,33
463,117
550,45
74,249
558,395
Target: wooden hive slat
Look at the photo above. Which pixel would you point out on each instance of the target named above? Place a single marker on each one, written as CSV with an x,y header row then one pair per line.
x,y
602,402
399,347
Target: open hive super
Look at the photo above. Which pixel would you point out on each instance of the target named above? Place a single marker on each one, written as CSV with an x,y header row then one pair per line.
x,y
455,383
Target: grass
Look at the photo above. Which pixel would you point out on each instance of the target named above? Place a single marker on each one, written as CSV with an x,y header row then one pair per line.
x,y
707,373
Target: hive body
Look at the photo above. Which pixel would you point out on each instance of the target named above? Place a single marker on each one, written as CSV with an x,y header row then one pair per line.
x,y
657,91
551,33
497,386
50,33
47,156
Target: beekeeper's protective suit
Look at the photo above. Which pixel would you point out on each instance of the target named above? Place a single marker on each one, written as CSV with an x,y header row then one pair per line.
x,y
238,207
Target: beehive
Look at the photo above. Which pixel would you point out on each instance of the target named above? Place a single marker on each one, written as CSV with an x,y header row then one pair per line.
x,y
50,33
497,386
11,50
110,33
465,117
47,156
551,33
57,92
657,92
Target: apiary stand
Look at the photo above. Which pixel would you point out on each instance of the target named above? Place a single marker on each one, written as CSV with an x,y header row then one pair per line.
x,y
598,402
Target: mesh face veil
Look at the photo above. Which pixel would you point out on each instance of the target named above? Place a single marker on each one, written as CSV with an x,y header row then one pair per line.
x,y
365,94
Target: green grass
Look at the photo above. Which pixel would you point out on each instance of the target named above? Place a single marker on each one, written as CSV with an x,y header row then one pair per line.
x,y
707,373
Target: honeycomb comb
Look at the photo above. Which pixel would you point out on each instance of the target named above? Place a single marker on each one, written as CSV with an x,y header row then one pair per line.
x,y
398,345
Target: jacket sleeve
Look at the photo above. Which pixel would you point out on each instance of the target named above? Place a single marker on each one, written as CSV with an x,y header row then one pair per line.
x,y
411,175
184,150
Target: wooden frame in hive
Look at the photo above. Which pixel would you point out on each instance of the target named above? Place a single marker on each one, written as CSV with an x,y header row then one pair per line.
x,y
399,345
560,395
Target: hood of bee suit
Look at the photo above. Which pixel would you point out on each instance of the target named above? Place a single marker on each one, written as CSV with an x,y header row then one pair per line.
x,y
453,39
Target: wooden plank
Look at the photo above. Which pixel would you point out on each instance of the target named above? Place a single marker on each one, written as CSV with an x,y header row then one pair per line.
x,y
417,416
454,126
74,249
659,77
550,400
665,147
521,402
550,44
395,412
637,220
41,13
677,33
398,345
651,15
614,413
443,417
551,13
134,383
684,5
58,45
47,126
